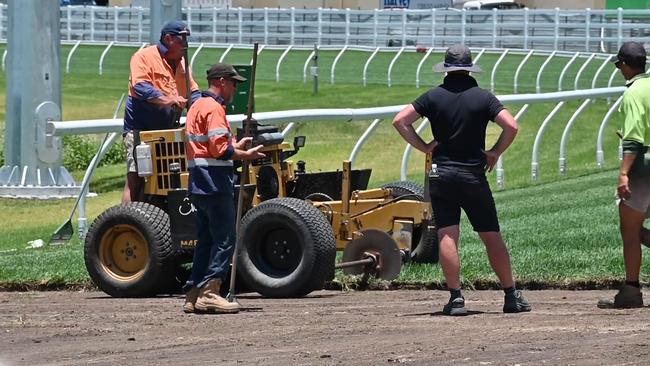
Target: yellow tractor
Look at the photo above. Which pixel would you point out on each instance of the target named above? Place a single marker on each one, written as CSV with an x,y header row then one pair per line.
x,y
294,222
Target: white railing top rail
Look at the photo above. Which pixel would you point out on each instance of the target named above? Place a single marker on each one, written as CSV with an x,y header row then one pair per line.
x,y
59,128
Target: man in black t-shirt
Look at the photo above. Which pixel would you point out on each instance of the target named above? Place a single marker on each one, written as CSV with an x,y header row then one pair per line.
x,y
459,111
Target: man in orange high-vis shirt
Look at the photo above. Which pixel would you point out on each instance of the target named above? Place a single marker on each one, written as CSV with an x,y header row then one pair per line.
x,y
157,95
210,151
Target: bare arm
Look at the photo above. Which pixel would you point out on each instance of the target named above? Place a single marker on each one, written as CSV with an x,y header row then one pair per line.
x,y
509,127
623,189
403,123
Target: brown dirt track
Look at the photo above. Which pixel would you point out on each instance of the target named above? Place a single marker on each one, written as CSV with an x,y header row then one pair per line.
x,y
325,328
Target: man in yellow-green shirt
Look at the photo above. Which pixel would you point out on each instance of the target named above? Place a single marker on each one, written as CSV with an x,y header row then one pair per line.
x,y
634,175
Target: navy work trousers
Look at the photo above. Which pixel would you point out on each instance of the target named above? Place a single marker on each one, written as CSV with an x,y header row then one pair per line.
x,y
215,218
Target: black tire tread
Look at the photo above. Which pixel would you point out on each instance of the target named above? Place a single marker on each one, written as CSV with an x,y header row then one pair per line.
x,y
153,222
321,235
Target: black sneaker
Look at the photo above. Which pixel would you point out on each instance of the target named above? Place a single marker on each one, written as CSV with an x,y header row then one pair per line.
x,y
455,307
514,302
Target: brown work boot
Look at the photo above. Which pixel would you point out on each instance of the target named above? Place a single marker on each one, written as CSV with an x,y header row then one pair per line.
x,y
209,300
190,299
627,297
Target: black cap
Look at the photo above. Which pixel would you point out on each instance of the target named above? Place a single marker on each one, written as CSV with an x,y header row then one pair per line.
x,y
632,53
457,57
175,28
226,71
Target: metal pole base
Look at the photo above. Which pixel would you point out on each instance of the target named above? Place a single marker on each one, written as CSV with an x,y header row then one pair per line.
x,y
47,183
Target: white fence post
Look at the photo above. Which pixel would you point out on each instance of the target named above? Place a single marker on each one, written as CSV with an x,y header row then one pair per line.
x,y
347,26
365,67
320,24
392,63
600,154
304,68
92,23
404,27
214,24
538,87
534,165
433,27
115,24
336,60
587,28
293,25
266,25
495,19
69,21
565,135
525,28
620,28
240,30
375,25
417,72
556,30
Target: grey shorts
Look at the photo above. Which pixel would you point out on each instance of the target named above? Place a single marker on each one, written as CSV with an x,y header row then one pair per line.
x,y
129,146
640,198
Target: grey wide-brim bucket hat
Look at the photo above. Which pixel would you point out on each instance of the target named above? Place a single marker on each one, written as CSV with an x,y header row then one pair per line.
x,y
457,57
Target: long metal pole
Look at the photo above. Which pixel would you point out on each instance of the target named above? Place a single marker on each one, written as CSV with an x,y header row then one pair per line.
x,y
243,178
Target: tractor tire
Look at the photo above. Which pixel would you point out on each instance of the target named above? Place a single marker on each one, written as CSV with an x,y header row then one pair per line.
x,y
286,249
128,250
425,236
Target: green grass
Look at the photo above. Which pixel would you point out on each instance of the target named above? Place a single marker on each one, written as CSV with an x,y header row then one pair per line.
x,y
559,229
559,233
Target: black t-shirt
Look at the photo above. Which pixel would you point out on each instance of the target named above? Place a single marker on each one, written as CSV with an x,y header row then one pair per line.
x,y
459,111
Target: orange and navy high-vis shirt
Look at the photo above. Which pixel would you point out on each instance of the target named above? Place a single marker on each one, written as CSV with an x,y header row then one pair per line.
x,y
209,147
152,77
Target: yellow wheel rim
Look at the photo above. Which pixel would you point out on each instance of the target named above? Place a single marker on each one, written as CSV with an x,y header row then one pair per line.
x,y
124,253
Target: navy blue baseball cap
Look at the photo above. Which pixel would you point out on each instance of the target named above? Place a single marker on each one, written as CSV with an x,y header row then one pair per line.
x,y
175,28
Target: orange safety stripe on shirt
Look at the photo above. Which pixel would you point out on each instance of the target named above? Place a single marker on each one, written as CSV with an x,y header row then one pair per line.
x,y
208,130
148,65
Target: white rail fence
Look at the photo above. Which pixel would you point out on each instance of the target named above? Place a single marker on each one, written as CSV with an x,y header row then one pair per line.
x,y
55,129
581,79
587,30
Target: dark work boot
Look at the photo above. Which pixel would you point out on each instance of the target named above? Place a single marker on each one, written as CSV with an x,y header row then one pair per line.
x,y
514,302
627,297
455,307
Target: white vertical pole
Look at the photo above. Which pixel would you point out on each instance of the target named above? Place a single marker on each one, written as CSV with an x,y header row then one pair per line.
x,y
239,23
347,26
214,24
433,27
526,28
115,23
293,24
620,27
403,27
189,17
587,28
375,22
557,28
266,25
92,23
320,25
495,18
69,24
